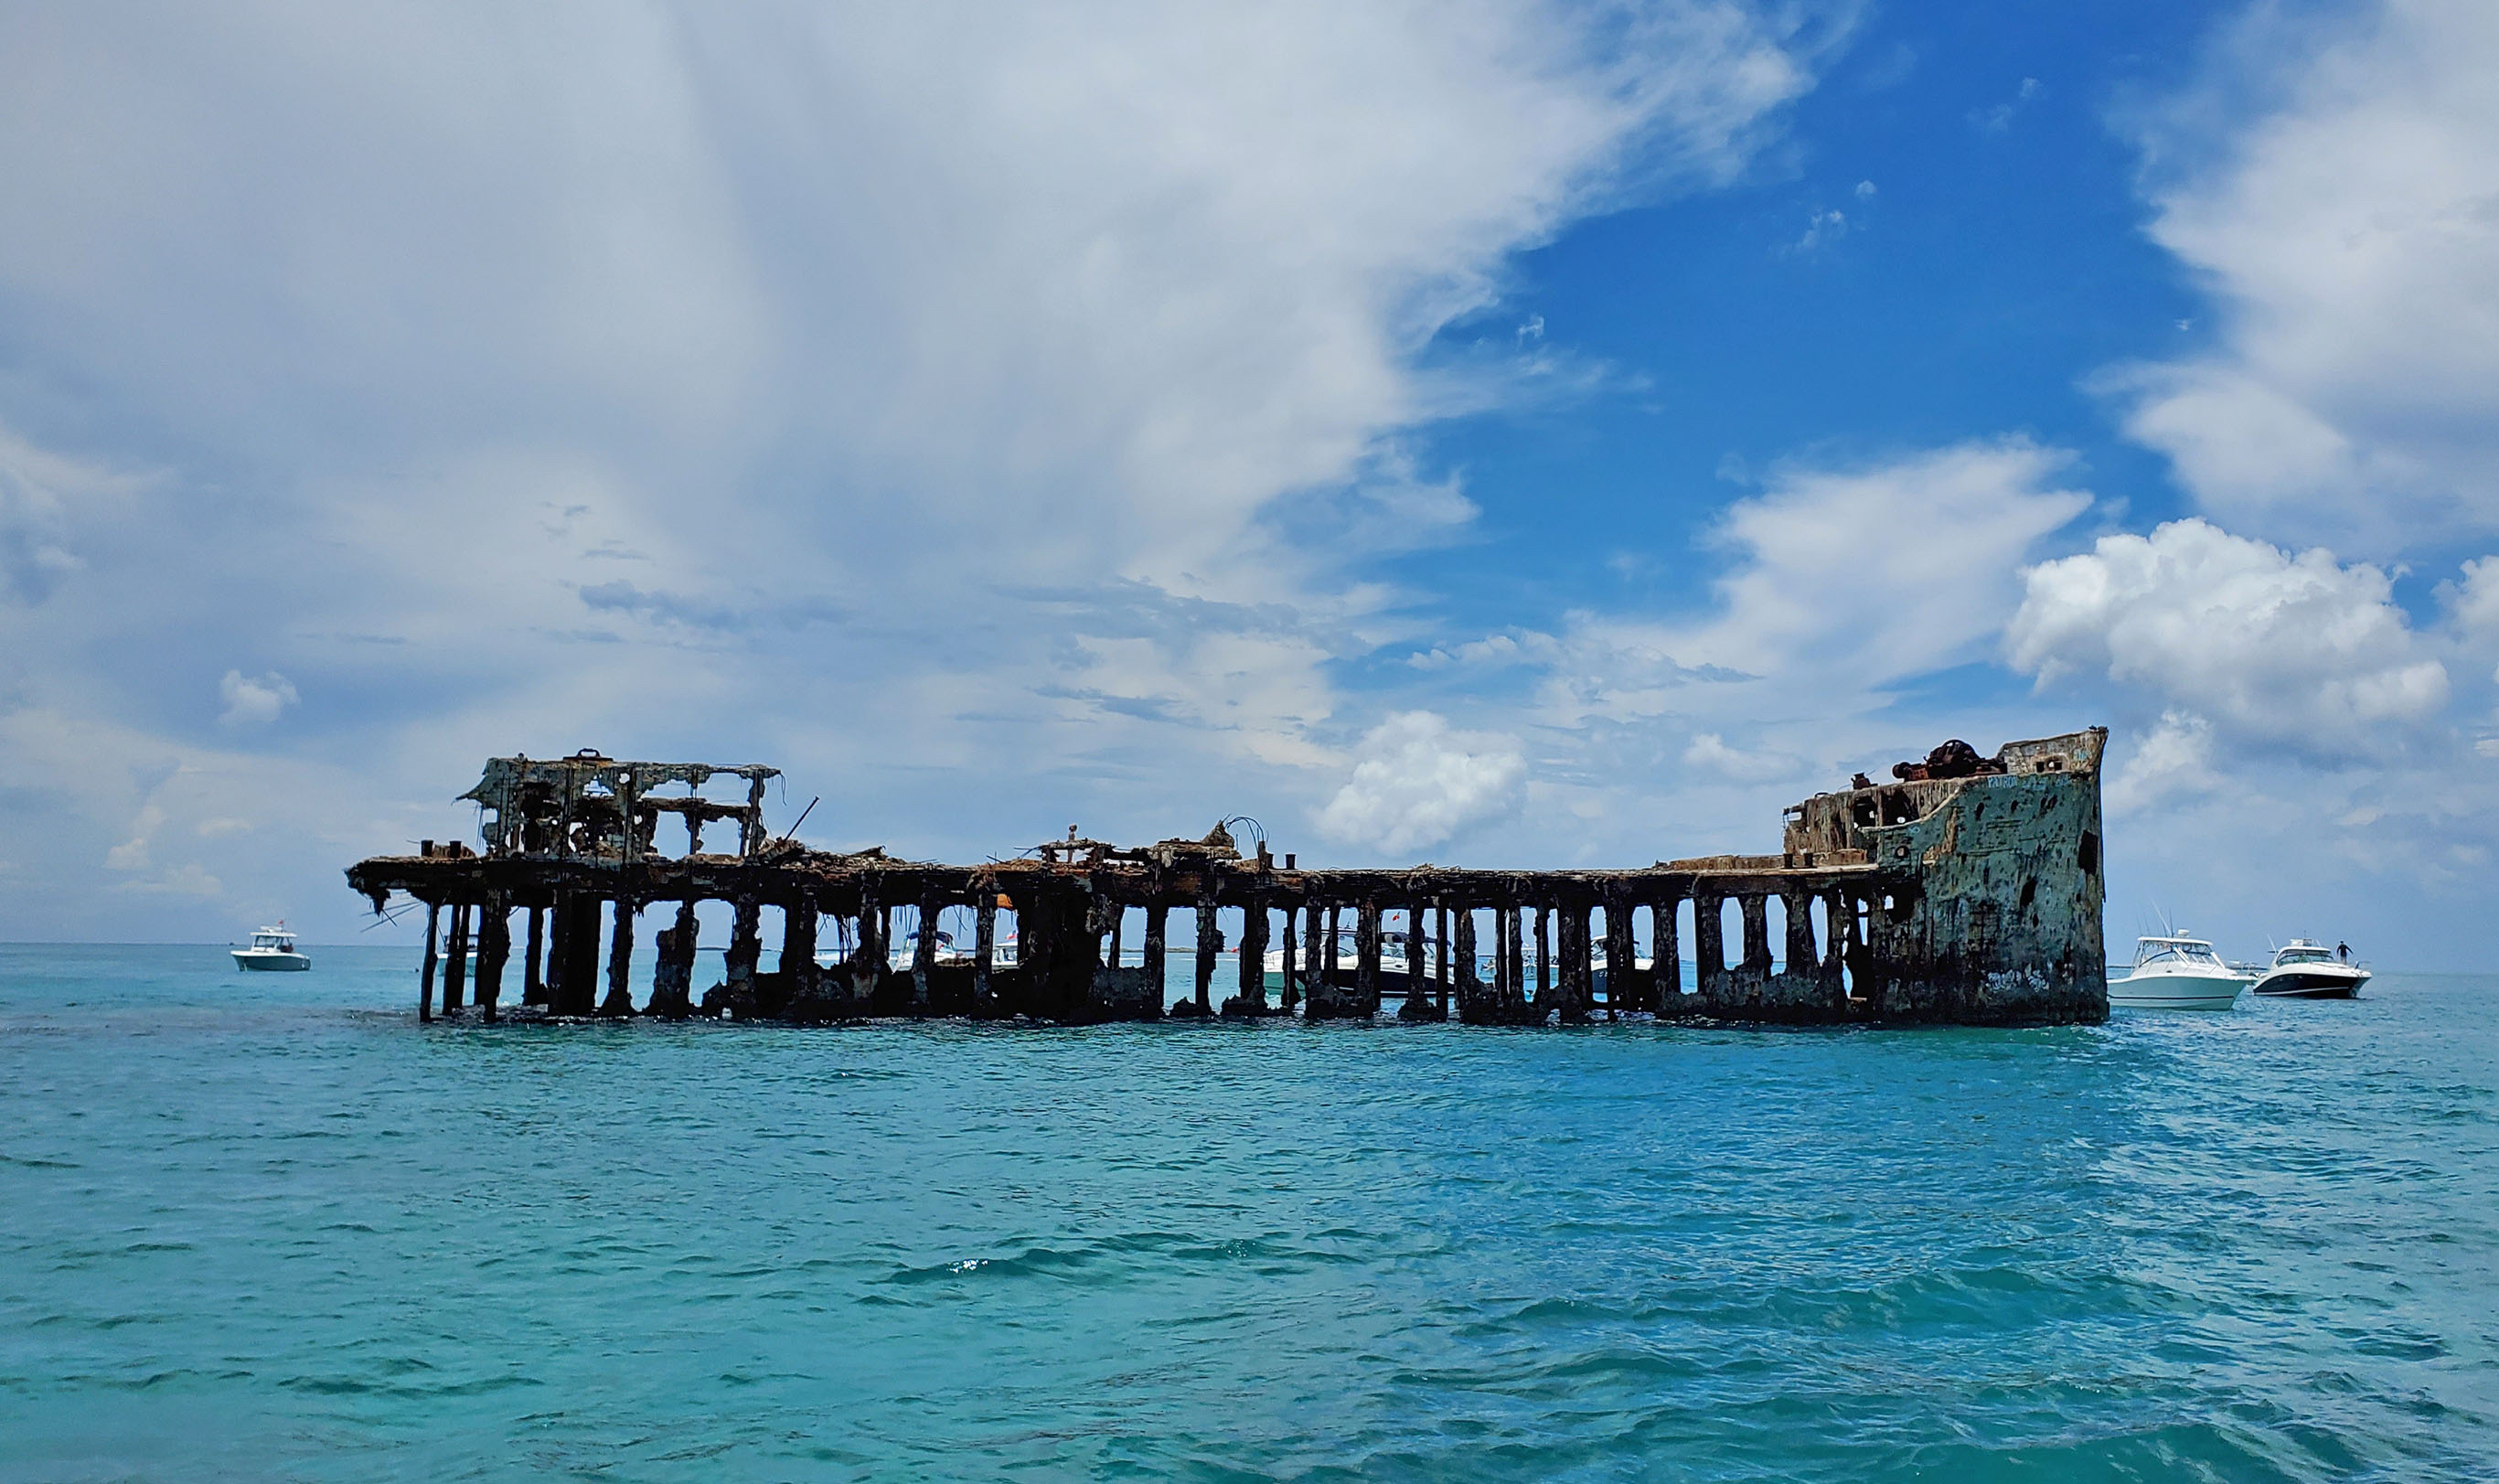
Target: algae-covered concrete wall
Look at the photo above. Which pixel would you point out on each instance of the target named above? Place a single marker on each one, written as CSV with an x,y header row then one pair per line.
x,y
1998,915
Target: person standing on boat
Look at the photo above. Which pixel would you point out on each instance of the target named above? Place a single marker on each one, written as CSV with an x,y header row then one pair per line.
x,y
2343,950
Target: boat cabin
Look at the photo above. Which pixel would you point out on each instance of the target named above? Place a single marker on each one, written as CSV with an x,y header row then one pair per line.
x,y
2179,950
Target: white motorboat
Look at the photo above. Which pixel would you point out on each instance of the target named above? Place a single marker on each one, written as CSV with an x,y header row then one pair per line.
x,y
273,950
2311,971
948,952
1396,960
2177,973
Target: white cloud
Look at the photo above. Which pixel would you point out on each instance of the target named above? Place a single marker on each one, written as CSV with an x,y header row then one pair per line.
x,y
1885,570
2298,652
133,853
2474,601
1416,783
1489,652
1711,752
1839,584
39,491
190,878
2350,233
1998,118
253,700
2173,761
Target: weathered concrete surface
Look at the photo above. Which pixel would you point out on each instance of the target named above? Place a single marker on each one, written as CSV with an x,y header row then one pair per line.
x,y
1968,892
2002,922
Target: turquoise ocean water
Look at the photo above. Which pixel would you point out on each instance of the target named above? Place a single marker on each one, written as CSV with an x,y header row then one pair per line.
x,y
268,1228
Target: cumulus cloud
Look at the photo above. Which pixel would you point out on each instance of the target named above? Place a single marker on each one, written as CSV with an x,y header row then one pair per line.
x,y
2350,233
2295,651
2474,601
1416,783
1882,570
253,700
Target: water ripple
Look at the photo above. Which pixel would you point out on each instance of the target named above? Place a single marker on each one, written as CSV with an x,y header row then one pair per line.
x,y
292,1236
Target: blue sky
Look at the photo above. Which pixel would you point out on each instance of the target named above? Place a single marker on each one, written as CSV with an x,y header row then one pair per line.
x,y
1492,432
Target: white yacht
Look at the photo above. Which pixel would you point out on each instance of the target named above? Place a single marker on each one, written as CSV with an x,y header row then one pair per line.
x,y
2177,973
1396,960
2311,971
272,949
900,958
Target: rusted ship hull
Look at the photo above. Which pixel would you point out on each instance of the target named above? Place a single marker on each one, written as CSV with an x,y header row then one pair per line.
x,y
1967,892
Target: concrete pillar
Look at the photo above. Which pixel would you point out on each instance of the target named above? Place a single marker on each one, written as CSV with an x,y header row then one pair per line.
x,y
425,979
1577,980
1334,937
1543,952
1504,968
798,947
1666,950
1253,955
620,962
532,977
1209,940
455,972
1366,956
1862,983
1421,1002
923,951
494,947
1757,934
556,948
672,974
1708,948
867,966
745,946
1314,946
1292,991
1441,970
1157,951
1798,948
985,944
1622,958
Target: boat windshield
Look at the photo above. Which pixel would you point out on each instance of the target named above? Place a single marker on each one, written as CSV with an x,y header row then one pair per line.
x,y
284,943
2176,950
2302,954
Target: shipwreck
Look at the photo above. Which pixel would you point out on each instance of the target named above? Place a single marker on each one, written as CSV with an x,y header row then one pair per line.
x,y
1965,889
